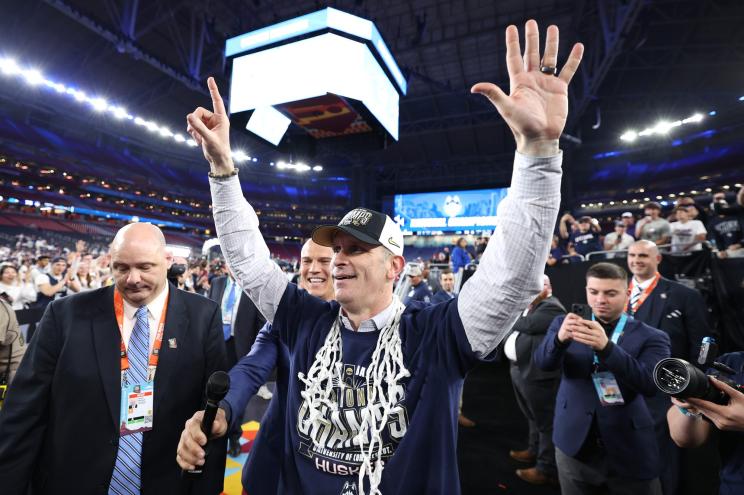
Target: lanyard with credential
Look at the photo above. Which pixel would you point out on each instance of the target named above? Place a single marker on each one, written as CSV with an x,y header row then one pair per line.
x,y
155,354
643,297
616,334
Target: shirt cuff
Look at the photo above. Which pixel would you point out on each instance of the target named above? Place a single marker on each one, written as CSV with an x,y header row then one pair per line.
x,y
225,406
559,344
605,353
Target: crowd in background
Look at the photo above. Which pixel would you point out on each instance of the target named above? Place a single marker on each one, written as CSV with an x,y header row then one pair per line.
x,y
685,227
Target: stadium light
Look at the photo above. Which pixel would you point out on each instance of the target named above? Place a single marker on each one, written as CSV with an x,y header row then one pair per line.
x,y
34,77
662,127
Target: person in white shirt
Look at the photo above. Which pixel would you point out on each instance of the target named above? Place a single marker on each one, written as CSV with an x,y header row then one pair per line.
x,y
40,267
56,283
617,240
687,234
18,292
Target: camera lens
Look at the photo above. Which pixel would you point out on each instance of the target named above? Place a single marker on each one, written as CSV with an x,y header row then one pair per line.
x,y
672,376
679,378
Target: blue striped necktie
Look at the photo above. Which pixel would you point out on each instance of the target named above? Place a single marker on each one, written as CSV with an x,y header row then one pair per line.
x,y
634,297
126,477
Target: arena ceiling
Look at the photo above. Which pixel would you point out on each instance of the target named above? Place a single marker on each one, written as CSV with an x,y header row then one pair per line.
x,y
645,61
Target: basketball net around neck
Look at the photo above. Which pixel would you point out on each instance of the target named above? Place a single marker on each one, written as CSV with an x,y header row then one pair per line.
x,y
383,374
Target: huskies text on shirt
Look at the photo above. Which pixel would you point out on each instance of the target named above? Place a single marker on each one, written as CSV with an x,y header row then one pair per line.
x,y
437,354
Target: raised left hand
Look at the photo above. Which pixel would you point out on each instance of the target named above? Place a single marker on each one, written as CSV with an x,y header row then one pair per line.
x,y
537,105
728,417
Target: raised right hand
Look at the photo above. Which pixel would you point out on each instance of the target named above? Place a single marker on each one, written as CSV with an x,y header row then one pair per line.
x,y
570,323
190,451
211,131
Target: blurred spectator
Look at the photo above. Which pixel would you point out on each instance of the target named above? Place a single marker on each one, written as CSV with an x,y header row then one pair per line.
x,y
617,240
56,283
40,267
556,253
652,227
89,279
571,256
534,388
585,238
419,288
12,347
629,221
178,274
460,255
726,228
480,246
447,284
685,232
446,253
17,291
695,212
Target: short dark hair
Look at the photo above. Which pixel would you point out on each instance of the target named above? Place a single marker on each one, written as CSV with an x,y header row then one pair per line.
x,y
446,271
7,266
653,205
607,271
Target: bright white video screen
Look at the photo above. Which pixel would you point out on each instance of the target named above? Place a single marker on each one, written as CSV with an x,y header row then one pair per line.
x,y
451,211
312,67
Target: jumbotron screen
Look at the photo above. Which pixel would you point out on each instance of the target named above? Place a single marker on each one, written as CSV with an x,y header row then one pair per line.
x,y
432,213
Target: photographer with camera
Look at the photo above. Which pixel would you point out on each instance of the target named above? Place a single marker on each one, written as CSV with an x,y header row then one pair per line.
x,y
177,274
691,421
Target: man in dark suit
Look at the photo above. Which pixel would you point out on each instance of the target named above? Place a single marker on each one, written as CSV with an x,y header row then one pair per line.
x,y
241,322
63,429
534,388
447,287
681,313
603,430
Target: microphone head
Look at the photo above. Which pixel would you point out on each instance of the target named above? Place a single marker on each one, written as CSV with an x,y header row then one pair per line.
x,y
217,386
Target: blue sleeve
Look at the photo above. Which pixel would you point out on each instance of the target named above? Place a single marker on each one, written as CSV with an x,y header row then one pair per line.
x,y
300,312
549,354
252,371
437,331
637,373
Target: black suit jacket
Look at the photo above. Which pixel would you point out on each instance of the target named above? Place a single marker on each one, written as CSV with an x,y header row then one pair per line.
x,y
59,428
681,313
532,329
248,319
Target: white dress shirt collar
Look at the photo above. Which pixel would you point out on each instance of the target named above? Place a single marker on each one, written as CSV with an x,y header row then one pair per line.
x,y
377,322
154,309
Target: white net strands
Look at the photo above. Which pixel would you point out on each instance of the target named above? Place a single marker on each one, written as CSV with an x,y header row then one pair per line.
x,y
382,377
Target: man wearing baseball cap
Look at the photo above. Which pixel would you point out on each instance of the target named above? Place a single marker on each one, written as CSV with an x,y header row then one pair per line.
x,y
629,221
420,290
372,403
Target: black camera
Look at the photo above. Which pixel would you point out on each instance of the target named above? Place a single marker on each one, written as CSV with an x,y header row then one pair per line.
x,y
680,379
176,270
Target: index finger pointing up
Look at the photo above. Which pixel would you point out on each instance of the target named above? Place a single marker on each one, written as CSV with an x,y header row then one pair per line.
x,y
217,103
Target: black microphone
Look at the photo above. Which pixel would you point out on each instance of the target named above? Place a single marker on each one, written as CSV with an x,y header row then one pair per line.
x,y
217,387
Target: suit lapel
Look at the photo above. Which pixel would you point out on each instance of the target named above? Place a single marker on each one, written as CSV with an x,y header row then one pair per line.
x,y
659,300
107,340
175,336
